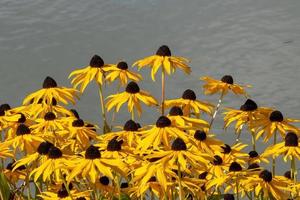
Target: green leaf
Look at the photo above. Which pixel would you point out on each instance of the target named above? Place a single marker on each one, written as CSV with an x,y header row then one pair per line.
x,y
4,187
122,197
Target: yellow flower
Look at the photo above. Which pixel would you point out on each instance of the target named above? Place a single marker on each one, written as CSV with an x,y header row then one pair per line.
x,y
246,115
224,85
132,95
25,140
177,118
289,148
5,151
51,92
271,122
92,165
92,72
206,142
254,157
163,58
7,118
54,164
121,71
161,133
62,194
13,173
189,104
268,184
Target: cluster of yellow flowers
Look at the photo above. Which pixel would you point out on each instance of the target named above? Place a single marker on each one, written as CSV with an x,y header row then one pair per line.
x,y
48,152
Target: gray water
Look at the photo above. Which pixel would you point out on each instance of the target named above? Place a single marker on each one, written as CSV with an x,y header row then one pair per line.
x,y
258,42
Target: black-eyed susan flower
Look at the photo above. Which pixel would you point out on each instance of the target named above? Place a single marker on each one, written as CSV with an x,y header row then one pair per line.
x,y
48,123
182,156
254,157
120,71
104,184
234,153
206,142
91,165
54,164
272,122
163,58
51,91
132,96
81,133
267,185
222,86
190,104
5,151
25,140
37,158
13,173
94,71
63,194
161,133
130,134
7,118
247,113
289,148
178,119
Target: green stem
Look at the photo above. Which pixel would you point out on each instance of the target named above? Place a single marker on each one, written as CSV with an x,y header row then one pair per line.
x,y
163,91
273,159
179,182
253,140
106,127
216,110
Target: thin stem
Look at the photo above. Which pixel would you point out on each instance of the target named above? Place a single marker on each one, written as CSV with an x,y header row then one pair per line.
x,y
273,159
163,91
106,128
253,140
237,190
216,110
179,182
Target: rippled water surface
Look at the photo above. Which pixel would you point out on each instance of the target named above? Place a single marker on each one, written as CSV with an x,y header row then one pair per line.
x,y
258,42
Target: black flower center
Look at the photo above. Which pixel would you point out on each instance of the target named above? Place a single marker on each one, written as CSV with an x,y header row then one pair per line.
x,y
10,166
124,185
200,135
122,65
217,160
253,166
276,116
228,197
249,105
104,180
163,51
49,116
49,82
132,88
288,174
253,154
226,149
22,130
189,94
266,175
178,145
78,123
3,108
163,122
114,145
75,113
92,153
203,175
176,111
54,152
235,167
152,179
130,125
44,148
62,193
153,159
227,79
96,61
291,140
81,198
22,118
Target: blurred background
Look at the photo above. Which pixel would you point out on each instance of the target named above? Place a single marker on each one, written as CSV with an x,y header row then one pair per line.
x,y
257,42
